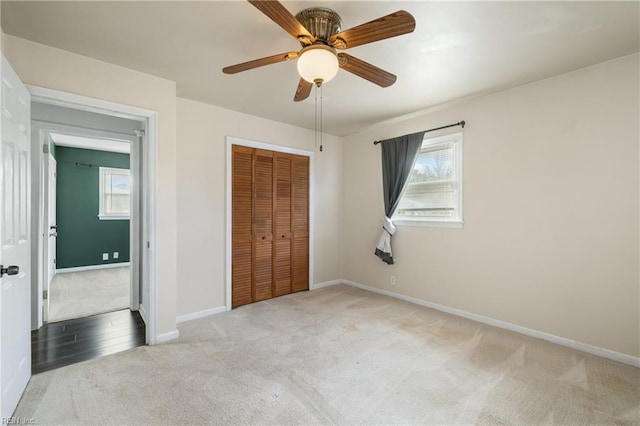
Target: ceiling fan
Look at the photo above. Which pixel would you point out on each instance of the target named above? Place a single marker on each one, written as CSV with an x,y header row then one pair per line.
x,y
318,31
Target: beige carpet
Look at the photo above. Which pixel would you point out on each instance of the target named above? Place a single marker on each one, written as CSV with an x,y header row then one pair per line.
x,y
339,355
80,294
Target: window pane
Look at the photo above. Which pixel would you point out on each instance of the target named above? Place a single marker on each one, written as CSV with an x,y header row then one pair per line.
x,y
433,187
434,166
118,204
120,183
428,199
116,192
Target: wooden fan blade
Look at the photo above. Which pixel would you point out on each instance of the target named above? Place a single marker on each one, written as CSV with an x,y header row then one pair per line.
x,y
232,69
303,91
281,16
365,70
395,24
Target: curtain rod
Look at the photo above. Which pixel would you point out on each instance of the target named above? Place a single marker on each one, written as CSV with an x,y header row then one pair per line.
x,y
460,123
84,164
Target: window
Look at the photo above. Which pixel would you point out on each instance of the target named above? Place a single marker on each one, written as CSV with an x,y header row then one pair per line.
x,y
433,194
115,194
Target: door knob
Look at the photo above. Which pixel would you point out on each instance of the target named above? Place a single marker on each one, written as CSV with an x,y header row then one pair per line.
x,y
9,270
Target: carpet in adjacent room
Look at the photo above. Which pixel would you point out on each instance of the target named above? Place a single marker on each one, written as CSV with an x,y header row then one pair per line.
x,y
83,293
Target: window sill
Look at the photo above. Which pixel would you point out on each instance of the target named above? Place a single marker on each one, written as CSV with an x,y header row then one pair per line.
x,y
104,217
457,224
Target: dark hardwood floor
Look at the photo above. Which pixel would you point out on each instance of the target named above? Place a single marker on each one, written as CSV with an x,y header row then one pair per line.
x,y
68,342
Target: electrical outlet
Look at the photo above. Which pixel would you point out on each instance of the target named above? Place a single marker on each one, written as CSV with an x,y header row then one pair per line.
x,y
115,254
393,280
105,256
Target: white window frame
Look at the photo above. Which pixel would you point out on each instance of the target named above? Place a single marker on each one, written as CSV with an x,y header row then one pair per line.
x,y
457,221
101,213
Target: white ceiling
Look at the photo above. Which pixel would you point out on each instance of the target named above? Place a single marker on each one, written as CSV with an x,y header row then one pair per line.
x,y
459,49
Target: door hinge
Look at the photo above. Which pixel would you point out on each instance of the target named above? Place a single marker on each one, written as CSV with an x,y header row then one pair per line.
x,y
45,294
148,244
45,148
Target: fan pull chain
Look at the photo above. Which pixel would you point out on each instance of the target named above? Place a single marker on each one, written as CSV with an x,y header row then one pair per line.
x,y
318,113
315,116
320,117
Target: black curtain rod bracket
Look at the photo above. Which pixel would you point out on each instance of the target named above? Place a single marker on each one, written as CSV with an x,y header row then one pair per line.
x,y
460,123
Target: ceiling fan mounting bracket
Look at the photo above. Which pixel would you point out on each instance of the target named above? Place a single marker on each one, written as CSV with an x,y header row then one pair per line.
x,y
321,22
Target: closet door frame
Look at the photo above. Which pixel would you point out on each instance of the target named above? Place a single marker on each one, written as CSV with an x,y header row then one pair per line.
x,y
228,203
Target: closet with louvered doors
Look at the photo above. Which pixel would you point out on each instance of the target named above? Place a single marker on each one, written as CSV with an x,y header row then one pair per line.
x,y
270,224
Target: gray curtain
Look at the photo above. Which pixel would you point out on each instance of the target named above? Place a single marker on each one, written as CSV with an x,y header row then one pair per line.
x,y
398,157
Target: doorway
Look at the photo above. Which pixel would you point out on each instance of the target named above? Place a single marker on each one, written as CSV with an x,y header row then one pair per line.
x,y
90,208
145,241
107,153
90,212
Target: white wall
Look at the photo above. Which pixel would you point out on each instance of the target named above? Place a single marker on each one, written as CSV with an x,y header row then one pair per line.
x,y
551,233
201,161
44,66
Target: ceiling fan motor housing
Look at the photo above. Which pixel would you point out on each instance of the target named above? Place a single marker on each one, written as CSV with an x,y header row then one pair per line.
x,y
321,22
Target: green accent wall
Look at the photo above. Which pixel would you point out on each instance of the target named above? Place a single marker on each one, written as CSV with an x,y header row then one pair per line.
x,y
82,237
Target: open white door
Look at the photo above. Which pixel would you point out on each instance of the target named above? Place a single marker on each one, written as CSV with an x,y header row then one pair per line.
x,y
53,232
15,250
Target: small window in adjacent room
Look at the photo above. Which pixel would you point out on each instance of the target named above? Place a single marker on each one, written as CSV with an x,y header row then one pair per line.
x,y
433,195
115,194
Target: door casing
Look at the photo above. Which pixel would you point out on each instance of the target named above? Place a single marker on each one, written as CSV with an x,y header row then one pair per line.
x,y
41,131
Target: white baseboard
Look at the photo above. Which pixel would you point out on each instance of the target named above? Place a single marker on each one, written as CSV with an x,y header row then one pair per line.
x,y
584,347
91,267
316,286
201,314
143,313
165,337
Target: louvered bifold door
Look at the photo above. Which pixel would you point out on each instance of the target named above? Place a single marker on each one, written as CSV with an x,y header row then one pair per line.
x,y
282,231
270,224
300,223
241,226
263,224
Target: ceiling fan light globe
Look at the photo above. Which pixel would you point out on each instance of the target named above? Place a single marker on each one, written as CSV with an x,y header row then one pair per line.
x,y
318,63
